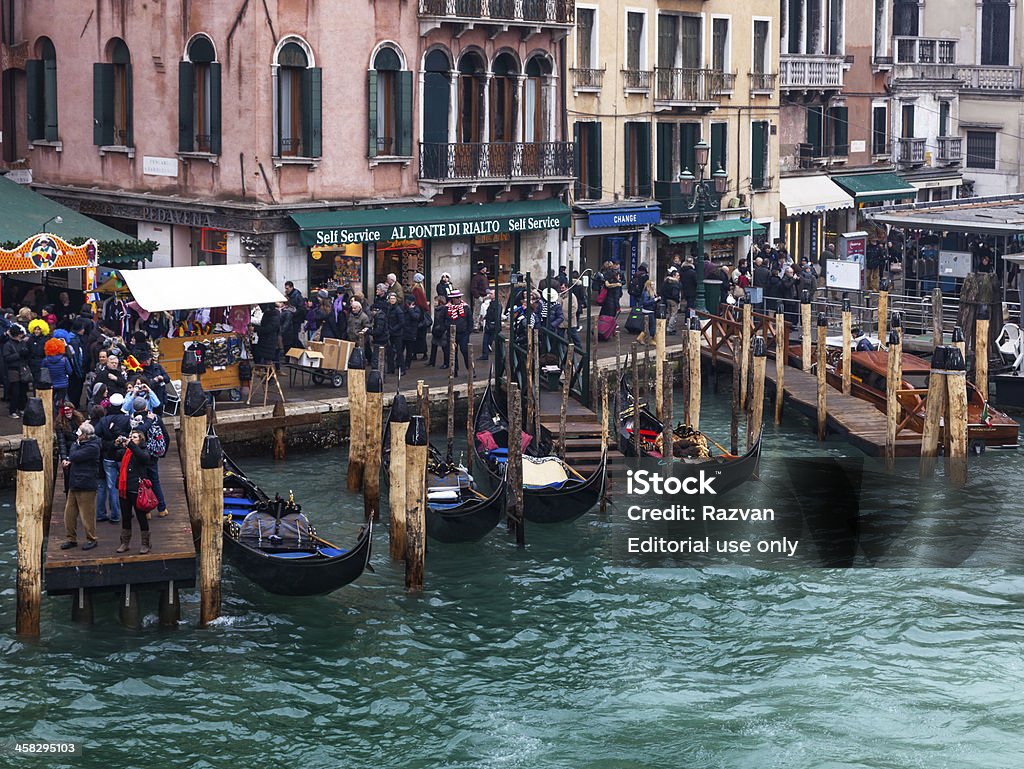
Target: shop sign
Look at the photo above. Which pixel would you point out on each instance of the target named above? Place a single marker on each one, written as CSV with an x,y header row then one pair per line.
x,y
215,241
20,175
624,217
47,252
154,166
434,231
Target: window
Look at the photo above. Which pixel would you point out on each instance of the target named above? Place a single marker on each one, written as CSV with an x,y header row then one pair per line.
x,y
719,158
907,114
720,45
943,118
905,18
538,69
638,160
981,149
761,63
199,121
504,76
995,32
112,98
691,43
879,130
839,126
471,98
794,14
835,26
298,93
437,81
689,136
634,40
668,41
759,154
390,106
585,38
41,87
588,160
815,119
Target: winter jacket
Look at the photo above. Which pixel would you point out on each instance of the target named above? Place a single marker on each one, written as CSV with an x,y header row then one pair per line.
x,y
421,297
110,428
548,315
356,324
84,456
458,316
688,284
492,317
60,368
396,321
761,276
268,332
478,285
440,331
137,467
670,290
411,327
379,328
36,353
15,355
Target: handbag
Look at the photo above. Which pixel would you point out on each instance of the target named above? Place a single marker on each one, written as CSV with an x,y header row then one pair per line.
x,y
145,500
601,295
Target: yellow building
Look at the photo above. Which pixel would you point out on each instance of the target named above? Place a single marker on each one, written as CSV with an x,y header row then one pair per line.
x,y
648,80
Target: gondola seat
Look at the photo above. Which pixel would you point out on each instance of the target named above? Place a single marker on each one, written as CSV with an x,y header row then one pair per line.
x,y
332,552
239,502
293,554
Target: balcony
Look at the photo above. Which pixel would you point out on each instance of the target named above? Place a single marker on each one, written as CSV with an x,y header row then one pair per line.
x,y
683,87
910,151
818,72
636,80
762,82
951,150
925,50
499,14
470,163
584,80
806,156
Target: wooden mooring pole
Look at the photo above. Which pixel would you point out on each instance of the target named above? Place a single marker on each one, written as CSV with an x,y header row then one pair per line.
x,y
934,406
374,448
667,447
893,382
450,434
781,355
937,316
193,430
805,331
29,501
956,417
470,407
357,447
397,429
745,314
660,327
211,463
514,466
822,371
981,350
883,311
416,441
635,391
760,352
564,407
603,384
958,341
423,399
44,389
693,374
736,406
847,344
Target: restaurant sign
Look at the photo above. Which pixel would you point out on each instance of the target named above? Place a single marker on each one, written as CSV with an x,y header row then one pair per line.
x,y
47,252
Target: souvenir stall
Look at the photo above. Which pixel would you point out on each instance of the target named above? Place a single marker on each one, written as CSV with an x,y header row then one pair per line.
x,y
46,252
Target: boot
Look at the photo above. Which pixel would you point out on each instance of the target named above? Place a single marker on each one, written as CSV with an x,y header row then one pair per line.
x,y
126,538
642,338
145,543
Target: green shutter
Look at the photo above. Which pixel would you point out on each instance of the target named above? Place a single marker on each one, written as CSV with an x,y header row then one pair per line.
x,y
34,93
312,112
50,98
594,159
404,114
689,135
102,104
577,160
129,128
719,139
840,131
643,160
663,139
186,106
758,137
628,178
814,130
372,112
215,119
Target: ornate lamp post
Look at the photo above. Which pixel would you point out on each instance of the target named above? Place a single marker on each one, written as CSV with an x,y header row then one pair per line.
x,y
702,194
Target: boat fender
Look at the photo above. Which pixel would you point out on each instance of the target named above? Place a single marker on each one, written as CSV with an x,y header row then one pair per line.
x,y
977,447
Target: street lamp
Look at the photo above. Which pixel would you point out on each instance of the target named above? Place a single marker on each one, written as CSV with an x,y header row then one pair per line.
x,y
702,194
58,219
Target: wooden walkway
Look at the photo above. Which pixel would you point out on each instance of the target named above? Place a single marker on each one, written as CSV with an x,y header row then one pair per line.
x,y
173,557
582,432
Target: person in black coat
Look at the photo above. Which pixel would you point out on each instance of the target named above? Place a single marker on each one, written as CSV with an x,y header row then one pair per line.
x,y
413,321
440,333
378,333
133,467
774,291
268,333
15,355
688,285
459,316
82,467
492,323
395,315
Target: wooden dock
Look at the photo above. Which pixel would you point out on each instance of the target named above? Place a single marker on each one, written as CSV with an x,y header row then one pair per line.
x,y
582,432
172,559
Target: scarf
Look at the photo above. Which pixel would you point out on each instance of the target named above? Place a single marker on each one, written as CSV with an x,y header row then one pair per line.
x,y
122,476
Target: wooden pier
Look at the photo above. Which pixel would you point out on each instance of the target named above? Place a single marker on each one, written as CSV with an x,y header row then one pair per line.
x,y
169,565
582,432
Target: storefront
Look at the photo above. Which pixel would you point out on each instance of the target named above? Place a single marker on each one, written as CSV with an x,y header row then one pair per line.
x,y
816,212
725,240
614,232
874,190
358,248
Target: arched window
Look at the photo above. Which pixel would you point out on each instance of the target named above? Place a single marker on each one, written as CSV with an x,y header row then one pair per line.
x,y
390,112
437,81
537,69
298,96
199,121
41,87
471,97
504,76
112,98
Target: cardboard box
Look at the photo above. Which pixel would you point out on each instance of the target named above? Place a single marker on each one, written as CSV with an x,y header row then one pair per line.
x,y
300,357
336,353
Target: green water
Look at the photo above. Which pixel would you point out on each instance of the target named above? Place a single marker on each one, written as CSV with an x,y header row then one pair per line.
x,y
549,657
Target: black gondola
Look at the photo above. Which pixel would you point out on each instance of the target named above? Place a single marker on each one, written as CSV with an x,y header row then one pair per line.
x,y
565,498
456,510
728,470
270,542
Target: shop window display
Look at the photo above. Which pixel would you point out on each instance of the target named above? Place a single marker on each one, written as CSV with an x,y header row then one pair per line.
x,y
402,257
333,267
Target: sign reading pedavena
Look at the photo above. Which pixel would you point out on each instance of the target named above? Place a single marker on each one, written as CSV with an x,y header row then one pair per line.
x,y
437,230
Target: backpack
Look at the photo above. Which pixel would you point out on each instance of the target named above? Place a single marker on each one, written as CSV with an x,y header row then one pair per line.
x,y
637,283
634,321
156,439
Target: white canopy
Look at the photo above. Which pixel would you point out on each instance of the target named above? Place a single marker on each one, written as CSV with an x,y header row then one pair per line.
x,y
189,288
810,194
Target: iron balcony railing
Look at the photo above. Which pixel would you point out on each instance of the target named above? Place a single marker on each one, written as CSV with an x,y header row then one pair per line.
x,y
587,78
636,79
762,81
951,149
910,151
806,71
482,161
675,85
538,11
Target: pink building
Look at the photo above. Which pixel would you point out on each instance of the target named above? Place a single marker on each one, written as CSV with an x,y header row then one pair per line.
x,y
325,142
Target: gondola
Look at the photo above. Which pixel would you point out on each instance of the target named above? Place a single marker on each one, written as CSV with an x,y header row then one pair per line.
x,y
456,511
271,542
729,471
552,491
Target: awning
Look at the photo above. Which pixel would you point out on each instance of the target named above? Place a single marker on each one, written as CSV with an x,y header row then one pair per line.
x,y
23,214
933,184
713,230
811,194
361,225
189,288
876,188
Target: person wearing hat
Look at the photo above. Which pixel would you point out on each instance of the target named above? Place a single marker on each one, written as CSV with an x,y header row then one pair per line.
x,y
420,293
132,469
440,333
478,290
115,425
548,314
15,355
82,481
444,285
458,316
59,367
671,292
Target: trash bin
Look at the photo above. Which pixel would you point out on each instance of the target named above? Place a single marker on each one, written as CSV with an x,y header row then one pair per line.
x,y
712,295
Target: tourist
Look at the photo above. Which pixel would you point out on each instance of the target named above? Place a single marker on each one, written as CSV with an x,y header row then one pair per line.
x,y
393,285
39,333
114,426
414,321
395,316
671,292
491,310
59,368
268,335
440,333
358,323
613,282
133,465
15,356
66,422
420,296
444,286
478,287
80,467
152,427
458,316
293,296
688,286
156,377
112,377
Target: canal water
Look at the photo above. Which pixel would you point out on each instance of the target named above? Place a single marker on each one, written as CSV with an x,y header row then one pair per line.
x,y
553,657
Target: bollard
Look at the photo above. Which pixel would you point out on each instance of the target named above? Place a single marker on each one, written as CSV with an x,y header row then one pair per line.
x,y
937,316
398,426
193,429
893,382
693,369
883,311
514,466
781,359
981,350
956,418
934,406
415,502
847,342
660,325
357,447
805,331
423,399
745,353
29,499
760,352
280,444
822,375
211,510
374,447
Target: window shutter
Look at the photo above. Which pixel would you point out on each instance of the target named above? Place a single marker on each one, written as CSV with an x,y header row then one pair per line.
x,y
629,180
719,140
576,156
372,112
757,146
102,104
814,131
689,135
129,128
186,106
215,119
594,159
312,107
643,160
663,139
404,114
50,98
34,93
840,131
